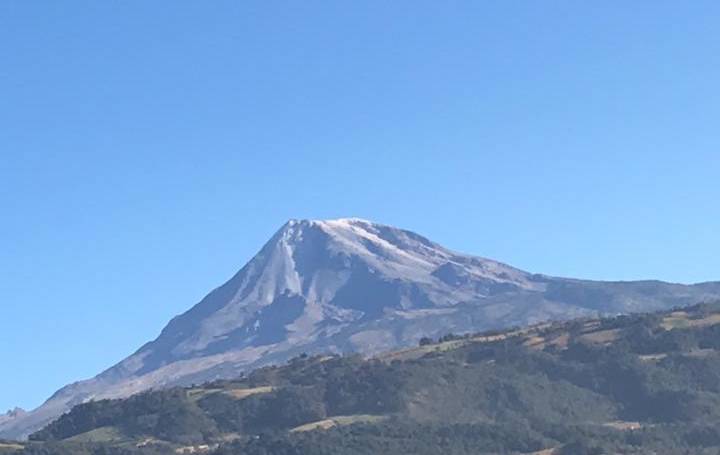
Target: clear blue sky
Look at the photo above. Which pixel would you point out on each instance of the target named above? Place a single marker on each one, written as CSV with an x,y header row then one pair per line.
x,y
148,149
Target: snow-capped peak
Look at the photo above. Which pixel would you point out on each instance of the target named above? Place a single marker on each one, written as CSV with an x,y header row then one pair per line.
x,y
344,285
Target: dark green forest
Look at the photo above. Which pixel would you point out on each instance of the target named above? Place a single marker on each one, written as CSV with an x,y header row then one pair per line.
x,y
638,384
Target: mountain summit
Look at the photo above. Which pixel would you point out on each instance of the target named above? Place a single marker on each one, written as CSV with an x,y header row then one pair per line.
x,y
348,285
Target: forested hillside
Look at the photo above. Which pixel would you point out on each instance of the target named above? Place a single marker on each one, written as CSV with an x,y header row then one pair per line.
x,y
631,384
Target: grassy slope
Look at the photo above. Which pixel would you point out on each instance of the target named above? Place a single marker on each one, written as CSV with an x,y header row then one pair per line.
x,y
625,382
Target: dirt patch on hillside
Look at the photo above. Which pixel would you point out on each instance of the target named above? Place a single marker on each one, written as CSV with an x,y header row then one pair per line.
x,y
680,320
623,425
337,421
601,337
244,393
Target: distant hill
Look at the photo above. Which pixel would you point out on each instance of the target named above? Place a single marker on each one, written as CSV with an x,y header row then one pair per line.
x,y
637,384
348,285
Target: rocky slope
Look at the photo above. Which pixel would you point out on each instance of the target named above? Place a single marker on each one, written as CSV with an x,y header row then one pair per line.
x,y
348,285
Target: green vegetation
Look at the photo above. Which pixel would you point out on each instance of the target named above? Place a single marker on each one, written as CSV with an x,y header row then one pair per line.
x,y
102,434
636,384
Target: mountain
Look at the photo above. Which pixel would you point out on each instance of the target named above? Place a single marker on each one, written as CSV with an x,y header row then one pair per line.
x,y
348,285
12,414
640,384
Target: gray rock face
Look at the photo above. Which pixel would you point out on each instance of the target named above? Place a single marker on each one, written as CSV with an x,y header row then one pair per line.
x,y
348,285
11,415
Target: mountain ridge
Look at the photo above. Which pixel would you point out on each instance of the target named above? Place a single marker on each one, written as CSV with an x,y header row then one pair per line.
x,y
349,285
